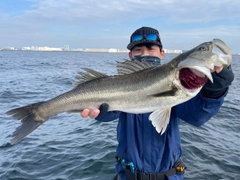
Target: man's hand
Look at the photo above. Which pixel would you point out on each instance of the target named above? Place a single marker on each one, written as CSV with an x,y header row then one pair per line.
x,y
91,113
218,69
95,112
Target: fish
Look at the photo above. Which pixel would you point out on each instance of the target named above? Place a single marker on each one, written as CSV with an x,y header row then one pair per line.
x,y
138,87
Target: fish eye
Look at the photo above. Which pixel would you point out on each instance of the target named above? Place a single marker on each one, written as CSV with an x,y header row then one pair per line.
x,y
203,48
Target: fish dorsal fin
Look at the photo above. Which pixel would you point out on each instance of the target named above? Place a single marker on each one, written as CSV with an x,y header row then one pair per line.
x,y
160,119
88,75
128,67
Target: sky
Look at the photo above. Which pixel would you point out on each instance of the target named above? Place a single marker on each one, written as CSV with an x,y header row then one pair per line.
x,y
183,24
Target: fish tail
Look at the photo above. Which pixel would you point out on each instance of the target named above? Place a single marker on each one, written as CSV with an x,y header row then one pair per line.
x,y
30,121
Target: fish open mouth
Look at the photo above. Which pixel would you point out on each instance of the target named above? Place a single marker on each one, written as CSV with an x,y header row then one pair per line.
x,y
192,79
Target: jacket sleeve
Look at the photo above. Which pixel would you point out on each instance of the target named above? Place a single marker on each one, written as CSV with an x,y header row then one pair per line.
x,y
109,116
199,109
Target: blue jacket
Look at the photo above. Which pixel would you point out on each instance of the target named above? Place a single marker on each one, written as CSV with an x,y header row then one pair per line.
x,y
139,141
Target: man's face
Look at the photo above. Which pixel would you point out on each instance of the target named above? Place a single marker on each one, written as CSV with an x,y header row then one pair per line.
x,y
143,50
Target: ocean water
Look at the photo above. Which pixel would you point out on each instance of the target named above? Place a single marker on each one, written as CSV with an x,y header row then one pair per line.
x,y
70,147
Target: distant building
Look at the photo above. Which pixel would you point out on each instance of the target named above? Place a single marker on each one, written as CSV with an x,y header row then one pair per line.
x,y
8,48
94,50
79,49
44,48
26,48
173,51
66,48
112,50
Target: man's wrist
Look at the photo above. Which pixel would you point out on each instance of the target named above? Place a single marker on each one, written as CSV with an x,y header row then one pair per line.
x,y
214,94
103,109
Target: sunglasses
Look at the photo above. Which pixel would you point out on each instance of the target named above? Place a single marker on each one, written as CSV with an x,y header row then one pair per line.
x,y
150,37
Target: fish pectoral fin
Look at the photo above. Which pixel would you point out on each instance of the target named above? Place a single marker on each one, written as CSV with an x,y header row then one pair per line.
x,y
160,119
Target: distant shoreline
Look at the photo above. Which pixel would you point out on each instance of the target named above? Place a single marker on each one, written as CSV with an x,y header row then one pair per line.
x,y
80,51
62,51
120,52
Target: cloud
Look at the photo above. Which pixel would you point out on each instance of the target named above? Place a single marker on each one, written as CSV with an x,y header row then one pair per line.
x,y
233,30
49,20
75,11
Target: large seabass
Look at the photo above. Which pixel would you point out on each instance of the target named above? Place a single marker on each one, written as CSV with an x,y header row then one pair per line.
x,y
138,88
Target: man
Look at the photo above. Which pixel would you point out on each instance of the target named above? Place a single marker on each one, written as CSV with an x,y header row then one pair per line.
x,y
142,153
